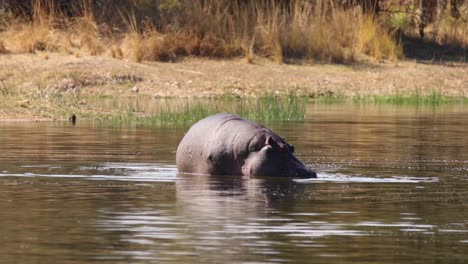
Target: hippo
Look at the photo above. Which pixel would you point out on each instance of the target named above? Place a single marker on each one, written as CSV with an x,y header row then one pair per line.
x,y
226,144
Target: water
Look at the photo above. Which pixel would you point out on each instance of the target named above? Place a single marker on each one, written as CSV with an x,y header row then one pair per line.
x,y
392,187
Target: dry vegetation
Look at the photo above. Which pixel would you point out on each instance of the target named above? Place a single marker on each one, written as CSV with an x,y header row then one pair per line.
x,y
2,47
315,31
164,30
319,30
442,21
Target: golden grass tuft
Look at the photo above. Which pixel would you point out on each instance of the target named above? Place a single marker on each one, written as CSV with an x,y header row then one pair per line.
x,y
132,47
148,46
3,49
152,46
375,42
29,38
116,52
85,35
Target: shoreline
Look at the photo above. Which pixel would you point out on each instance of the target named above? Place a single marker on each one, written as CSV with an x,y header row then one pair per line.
x,y
45,86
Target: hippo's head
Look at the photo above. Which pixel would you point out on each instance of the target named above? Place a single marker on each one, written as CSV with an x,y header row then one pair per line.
x,y
270,155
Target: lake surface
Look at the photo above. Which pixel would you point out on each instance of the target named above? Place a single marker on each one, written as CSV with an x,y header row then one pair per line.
x,y
392,187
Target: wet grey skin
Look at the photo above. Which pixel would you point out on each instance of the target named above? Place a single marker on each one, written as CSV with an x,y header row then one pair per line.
x,y
226,144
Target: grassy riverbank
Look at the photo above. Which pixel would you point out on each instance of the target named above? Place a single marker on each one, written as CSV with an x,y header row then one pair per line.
x,y
60,57
52,86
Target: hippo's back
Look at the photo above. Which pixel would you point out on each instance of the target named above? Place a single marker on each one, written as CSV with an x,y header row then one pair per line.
x,y
217,135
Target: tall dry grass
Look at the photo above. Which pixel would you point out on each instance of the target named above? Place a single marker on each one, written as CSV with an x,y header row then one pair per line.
x,y
83,31
322,32
311,30
446,23
451,30
50,30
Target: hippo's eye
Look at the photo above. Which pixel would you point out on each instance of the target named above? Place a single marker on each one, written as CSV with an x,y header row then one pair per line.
x,y
282,148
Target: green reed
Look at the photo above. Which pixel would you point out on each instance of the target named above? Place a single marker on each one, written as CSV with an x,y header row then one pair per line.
x,y
435,98
176,112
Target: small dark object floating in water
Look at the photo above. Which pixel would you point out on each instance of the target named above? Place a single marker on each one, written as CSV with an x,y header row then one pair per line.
x,y
72,119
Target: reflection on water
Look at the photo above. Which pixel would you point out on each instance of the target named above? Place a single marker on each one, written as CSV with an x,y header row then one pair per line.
x,y
340,177
130,172
392,187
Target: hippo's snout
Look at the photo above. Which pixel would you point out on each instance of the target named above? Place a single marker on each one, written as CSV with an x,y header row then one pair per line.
x,y
305,173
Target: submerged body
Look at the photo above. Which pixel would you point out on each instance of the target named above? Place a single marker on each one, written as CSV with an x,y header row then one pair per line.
x,y
226,144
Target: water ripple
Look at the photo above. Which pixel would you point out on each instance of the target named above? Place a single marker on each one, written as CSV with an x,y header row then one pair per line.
x,y
340,177
135,172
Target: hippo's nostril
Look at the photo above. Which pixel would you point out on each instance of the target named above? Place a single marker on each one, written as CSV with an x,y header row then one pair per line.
x,y
305,173
313,174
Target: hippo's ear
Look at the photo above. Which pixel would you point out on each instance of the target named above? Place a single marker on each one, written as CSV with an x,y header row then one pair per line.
x,y
269,141
291,147
278,146
259,142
